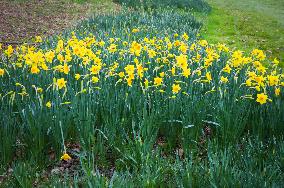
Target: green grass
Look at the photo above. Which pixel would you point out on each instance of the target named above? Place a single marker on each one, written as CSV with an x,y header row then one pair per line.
x,y
246,25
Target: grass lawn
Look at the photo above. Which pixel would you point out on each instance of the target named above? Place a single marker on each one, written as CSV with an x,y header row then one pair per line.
x,y
246,24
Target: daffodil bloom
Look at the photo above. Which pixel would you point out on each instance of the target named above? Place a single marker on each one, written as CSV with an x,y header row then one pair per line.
x,y
176,88
9,51
136,61
158,81
261,98
224,79
60,57
152,53
275,61
146,82
181,60
173,71
259,54
66,68
135,48
65,157
49,56
203,43
273,80
129,69
208,76
185,36
39,90
61,83
135,30
186,72
101,43
227,69
259,79
48,104
77,76
129,81
38,39
35,70
277,91
162,74
111,40
60,45
95,79
198,72
2,72
121,74
248,82
112,48
95,69
257,88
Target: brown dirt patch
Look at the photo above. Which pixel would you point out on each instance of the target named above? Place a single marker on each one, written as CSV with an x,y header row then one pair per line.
x,y
21,20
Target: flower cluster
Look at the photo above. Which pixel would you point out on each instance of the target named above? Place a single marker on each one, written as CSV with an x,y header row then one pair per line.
x,y
171,65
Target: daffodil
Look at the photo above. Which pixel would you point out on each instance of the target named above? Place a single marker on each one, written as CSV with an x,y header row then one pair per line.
x,y
129,69
60,57
146,83
135,30
77,76
162,74
95,69
61,83
158,81
65,157
208,76
277,91
185,36
39,90
38,39
275,61
35,70
129,81
227,69
186,72
224,79
176,88
48,104
2,72
261,98
9,51
121,74
66,68
95,79
273,80
112,48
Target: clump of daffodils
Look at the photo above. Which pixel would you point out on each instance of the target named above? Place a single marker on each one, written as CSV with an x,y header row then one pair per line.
x,y
169,65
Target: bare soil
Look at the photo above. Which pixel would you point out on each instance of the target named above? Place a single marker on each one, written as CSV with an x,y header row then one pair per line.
x,y
21,20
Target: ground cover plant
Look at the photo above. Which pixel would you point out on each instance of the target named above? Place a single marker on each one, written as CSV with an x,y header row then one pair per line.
x,y
138,99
